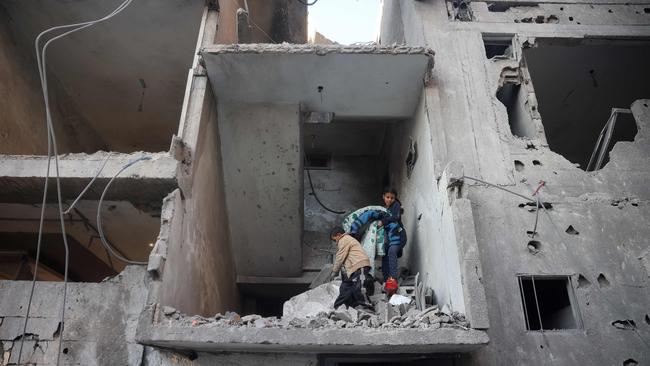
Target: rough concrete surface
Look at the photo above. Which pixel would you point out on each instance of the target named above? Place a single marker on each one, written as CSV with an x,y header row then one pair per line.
x,y
99,323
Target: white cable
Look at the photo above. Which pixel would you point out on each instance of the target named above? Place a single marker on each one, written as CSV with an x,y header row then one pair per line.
x,y
100,230
52,149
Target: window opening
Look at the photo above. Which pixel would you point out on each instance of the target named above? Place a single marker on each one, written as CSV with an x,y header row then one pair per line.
x,y
318,161
548,302
497,46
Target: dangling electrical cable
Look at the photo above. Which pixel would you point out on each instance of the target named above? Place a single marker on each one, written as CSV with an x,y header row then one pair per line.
x,y
100,230
52,150
313,192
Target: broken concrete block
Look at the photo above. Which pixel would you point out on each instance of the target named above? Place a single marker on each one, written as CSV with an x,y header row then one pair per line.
x,y
342,315
311,302
168,310
250,318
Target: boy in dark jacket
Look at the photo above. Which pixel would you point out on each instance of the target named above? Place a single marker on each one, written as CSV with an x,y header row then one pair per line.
x,y
395,233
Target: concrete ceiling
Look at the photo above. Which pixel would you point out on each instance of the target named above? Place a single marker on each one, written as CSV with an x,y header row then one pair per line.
x,y
344,138
351,81
125,76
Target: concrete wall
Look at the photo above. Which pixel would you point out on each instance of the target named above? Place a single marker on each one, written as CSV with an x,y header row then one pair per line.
x,y
262,165
271,21
608,208
431,247
100,321
199,272
353,182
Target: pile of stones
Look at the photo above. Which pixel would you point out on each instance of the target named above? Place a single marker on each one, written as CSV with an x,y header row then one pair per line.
x,y
314,310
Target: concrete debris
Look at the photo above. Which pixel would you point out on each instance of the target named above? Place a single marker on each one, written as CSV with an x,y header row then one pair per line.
x,y
314,310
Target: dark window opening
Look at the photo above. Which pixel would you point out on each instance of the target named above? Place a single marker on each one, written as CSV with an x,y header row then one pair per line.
x,y
576,88
313,161
519,117
548,303
497,46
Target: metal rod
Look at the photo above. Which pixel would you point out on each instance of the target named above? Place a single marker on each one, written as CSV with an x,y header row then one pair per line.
x,y
539,314
523,298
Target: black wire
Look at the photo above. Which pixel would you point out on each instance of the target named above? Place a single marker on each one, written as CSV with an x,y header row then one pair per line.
x,y
313,192
303,2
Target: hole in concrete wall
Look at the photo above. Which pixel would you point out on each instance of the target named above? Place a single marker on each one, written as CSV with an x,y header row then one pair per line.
x,y
532,206
602,280
626,324
548,302
500,7
630,362
647,319
646,10
411,158
537,162
583,282
534,246
519,166
571,231
576,88
515,99
497,46
65,351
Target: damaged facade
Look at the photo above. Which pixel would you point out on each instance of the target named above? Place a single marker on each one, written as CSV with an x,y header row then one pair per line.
x,y
484,115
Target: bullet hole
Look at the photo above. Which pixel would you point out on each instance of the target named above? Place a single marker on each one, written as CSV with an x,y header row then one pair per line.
x,y
419,217
320,88
630,362
583,282
534,246
602,281
519,166
65,351
609,11
570,19
645,105
531,233
578,23
646,10
571,231
587,303
259,207
541,346
537,162
530,146
647,319
532,206
626,324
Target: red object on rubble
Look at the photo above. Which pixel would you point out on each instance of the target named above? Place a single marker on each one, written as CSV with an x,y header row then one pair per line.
x,y
391,286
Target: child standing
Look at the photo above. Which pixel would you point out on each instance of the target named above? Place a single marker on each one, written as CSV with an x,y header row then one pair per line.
x,y
396,238
354,264
395,235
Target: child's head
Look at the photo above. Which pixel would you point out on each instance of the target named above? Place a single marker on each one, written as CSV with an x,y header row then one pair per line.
x,y
389,196
336,233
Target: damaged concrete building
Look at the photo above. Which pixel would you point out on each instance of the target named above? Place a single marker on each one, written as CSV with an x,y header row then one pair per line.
x,y
516,132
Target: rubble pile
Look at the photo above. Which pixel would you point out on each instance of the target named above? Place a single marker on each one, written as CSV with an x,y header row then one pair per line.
x,y
314,310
